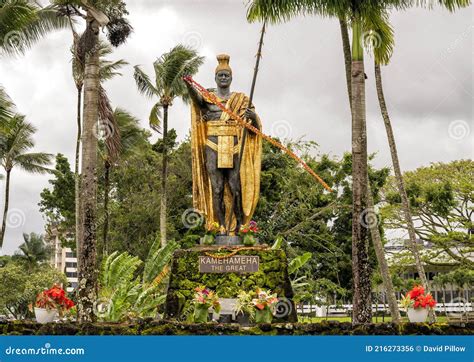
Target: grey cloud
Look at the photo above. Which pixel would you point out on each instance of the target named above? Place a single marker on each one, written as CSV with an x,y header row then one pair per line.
x,y
428,84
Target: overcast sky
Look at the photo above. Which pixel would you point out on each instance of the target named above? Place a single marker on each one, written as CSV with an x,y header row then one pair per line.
x,y
301,89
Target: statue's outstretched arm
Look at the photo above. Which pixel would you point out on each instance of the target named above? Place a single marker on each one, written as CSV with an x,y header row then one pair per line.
x,y
195,95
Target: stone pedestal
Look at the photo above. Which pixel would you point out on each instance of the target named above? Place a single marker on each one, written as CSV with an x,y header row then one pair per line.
x,y
225,240
185,276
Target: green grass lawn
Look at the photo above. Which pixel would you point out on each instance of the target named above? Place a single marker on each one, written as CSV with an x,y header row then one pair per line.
x,y
440,319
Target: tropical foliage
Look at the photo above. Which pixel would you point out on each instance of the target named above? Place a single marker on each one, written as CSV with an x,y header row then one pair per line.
x,y
124,294
24,22
169,70
16,136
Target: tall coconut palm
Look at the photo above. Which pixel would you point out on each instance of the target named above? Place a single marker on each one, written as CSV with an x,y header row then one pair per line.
x,y
365,16
371,213
107,70
17,140
169,70
131,137
362,16
25,22
108,14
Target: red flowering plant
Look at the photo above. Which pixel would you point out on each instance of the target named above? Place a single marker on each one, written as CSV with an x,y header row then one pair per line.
x,y
416,298
54,298
205,298
248,232
250,229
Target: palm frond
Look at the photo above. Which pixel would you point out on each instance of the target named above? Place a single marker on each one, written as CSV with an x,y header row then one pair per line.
x,y
26,23
155,115
7,107
109,69
144,84
131,134
33,249
451,5
16,141
34,162
109,126
378,35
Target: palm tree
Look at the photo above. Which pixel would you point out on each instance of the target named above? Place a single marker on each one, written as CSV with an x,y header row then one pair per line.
x,y
109,14
107,70
33,250
363,15
25,22
17,139
169,70
131,136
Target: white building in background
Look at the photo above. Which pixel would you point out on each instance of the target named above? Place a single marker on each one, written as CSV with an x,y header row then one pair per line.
x,y
396,250
64,260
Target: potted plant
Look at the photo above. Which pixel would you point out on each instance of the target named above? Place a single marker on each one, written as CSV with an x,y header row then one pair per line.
x,y
51,303
209,237
244,309
264,303
417,304
248,232
203,300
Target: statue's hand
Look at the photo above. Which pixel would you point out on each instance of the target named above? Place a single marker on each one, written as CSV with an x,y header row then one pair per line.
x,y
249,114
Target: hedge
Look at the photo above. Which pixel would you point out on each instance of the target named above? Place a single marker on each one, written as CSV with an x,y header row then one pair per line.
x,y
153,327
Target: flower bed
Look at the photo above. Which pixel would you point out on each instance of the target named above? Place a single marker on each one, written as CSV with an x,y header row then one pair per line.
x,y
185,278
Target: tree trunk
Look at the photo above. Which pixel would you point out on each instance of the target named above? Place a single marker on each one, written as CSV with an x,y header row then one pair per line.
x,y
379,252
88,252
346,48
5,208
361,273
77,182
106,206
163,177
375,233
401,185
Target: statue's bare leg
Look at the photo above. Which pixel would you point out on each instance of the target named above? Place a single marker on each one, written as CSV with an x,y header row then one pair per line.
x,y
217,184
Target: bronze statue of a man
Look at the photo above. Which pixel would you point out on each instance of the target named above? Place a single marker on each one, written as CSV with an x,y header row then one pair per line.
x,y
225,194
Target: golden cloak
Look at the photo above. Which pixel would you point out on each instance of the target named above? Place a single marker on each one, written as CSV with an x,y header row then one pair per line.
x,y
249,169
